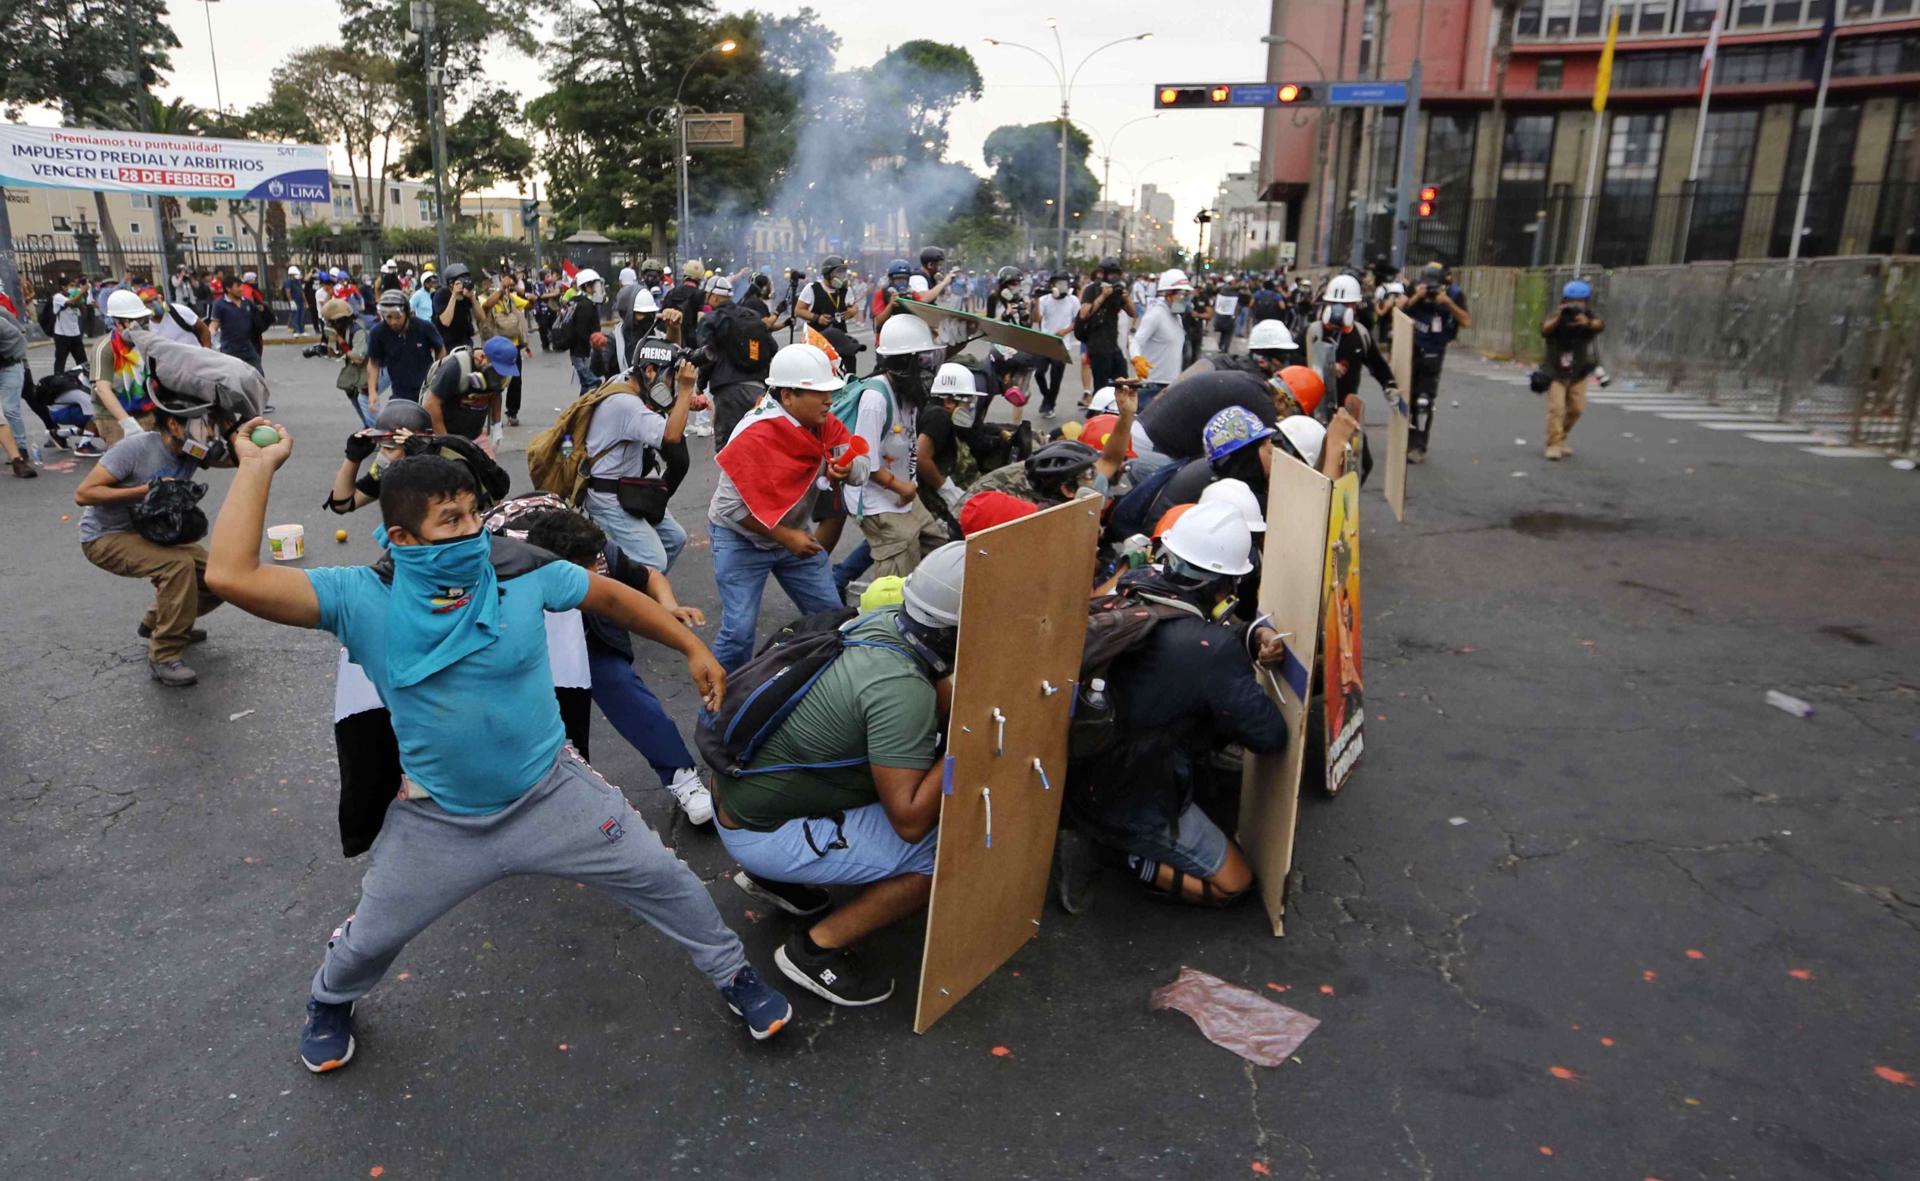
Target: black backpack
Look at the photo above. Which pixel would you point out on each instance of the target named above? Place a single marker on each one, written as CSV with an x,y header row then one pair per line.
x,y
46,314
762,692
564,332
1116,624
261,312
744,338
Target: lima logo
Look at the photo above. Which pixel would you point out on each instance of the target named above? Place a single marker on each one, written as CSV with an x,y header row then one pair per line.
x,y
276,189
299,192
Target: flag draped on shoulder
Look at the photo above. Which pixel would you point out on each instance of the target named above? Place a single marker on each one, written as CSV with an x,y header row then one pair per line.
x,y
774,461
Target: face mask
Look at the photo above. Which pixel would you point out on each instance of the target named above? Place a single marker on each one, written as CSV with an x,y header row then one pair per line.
x,y
1059,288
1178,303
660,396
1007,292
838,282
934,645
203,445
965,413
643,324
444,605
1337,315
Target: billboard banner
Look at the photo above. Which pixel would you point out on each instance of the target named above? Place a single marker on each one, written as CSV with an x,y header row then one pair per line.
x,y
162,165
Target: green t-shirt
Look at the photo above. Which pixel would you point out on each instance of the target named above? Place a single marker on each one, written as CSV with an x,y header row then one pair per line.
x,y
872,703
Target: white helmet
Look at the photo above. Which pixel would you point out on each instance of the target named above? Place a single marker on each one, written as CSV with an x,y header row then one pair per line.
x,y
932,593
1269,334
1307,436
903,332
1213,537
1396,288
1103,401
125,305
1342,289
392,266
643,301
585,276
293,272
954,381
1236,494
802,367
718,284
1174,279
627,276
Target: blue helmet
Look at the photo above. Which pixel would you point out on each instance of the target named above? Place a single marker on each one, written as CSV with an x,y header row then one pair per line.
x,y
899,266
1577,289
1231,429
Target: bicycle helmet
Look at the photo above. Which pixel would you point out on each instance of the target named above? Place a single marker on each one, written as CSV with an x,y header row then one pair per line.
x,y
1061,462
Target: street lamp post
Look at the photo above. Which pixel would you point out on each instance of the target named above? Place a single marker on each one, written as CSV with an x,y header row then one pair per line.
x,y
680,120
1066,81
1106,170
218,102
424,14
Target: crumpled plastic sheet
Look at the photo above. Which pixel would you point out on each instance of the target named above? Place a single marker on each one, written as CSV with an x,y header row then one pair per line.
x,y
1257,1029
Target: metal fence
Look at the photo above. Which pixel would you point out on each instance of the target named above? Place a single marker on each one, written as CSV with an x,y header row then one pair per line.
x,y
1631,229
1832,343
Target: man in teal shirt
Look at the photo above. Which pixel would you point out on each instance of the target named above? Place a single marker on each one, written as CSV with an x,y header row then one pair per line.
x,y
450,629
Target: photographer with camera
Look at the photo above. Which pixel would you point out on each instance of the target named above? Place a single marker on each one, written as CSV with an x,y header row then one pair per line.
x,y
1099,323
384,440
1570,359
898,286
1438,310
637,455
823,304
504,312
735,343
453,308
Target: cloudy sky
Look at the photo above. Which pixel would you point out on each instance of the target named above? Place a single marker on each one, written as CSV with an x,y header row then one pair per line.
x,y
1184,152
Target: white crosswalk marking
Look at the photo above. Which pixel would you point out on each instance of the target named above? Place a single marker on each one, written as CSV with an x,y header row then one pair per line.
x,y
1793,438
1843,452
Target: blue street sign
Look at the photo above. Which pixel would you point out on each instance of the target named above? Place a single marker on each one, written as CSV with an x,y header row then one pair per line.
x,y
1252,96
1367,94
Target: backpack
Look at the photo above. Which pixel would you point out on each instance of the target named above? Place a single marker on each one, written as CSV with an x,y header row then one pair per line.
x,y
762,693
46,314
569,328
744,337
557,456
1266,305
450,357
262,313
846,402
1116,624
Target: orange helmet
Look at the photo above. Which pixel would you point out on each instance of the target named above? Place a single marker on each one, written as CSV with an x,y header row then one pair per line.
x,y
1096,429
1168,518
1306,385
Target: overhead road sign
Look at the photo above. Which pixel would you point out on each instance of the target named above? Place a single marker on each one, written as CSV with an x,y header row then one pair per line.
x,y
1367,94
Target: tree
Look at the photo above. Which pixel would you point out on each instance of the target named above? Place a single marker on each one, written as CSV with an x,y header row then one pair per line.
x,y
1025,160
94,60
481,150
340,95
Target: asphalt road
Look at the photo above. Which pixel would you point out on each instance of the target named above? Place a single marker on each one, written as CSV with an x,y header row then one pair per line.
x,y
1590,908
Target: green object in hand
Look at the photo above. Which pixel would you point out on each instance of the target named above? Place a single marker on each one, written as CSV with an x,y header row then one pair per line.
x,y
264,436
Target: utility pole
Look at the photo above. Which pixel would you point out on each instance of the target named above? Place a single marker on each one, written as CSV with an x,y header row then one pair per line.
x,y
1060,199
139,84
423,15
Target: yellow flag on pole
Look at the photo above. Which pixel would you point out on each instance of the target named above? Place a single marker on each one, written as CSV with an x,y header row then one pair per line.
x,y
1604,81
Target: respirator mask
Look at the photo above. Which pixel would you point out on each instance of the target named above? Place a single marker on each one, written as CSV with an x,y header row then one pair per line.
x,y
1337,315
204,445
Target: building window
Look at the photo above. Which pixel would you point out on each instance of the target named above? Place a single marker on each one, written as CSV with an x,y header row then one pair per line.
x,y
219,231
1864,57
193,229
1526,19
1752,14
1525,150
1528,145
1559,17
1720,196
1587,18
1653,18
1856,9
1548,74
1449,167
142,201
1696,16
1899,202
1664,70
393,196
1832,181
133,227
1760,63
1623,223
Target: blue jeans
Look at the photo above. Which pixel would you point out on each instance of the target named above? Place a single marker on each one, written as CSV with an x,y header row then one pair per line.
x,y
635,712
857,848
296,316
741,569
653,546
1192,844
852,566
583,372
13,382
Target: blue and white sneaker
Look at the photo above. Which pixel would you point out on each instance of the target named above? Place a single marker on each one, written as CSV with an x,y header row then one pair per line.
x,y
766,1011
326,1040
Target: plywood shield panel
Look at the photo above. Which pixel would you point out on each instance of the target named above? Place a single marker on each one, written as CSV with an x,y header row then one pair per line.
x,y
1023,622
1399,420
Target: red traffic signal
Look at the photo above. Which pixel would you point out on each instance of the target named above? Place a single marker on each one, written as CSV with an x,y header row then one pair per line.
x,y
1290,92
1180,96
1218,94
1429,200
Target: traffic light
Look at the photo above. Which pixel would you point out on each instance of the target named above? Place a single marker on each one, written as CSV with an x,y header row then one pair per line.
x,y
1231,94
1429,200
1293,92
1180,96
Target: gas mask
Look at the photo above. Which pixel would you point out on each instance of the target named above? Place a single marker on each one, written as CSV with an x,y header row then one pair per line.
x,y
965,414
204,445
1008,292
838,282
659,394
935,646
1059,288
1337,315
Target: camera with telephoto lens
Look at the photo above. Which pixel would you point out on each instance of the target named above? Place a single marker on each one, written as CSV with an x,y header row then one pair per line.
x,y
314,350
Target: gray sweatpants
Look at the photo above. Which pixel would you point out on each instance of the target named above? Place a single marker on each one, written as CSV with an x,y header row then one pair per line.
x,y
572,824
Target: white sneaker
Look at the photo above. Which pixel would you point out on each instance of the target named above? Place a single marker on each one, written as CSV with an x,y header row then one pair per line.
x,y
695,800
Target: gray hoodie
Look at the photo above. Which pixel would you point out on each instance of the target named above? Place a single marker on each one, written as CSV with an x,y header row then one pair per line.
x,y
13,341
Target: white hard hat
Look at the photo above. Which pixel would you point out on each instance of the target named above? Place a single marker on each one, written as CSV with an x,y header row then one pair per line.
x,y
718,284
932,592
1306,434
125,305
627,276
585,276
390,266
293,272
1241,498
802,367
250,277
1213,537
903,332
1396,288
643,301
1342,289
954,381
1104,401
918,282
1269,334
1175,279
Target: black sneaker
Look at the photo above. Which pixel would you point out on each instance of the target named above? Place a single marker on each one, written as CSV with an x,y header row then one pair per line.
x,y
195,635
835,975
1076,863
800,901
326,1038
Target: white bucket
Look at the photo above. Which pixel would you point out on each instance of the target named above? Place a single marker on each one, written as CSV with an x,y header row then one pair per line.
x,y
287,543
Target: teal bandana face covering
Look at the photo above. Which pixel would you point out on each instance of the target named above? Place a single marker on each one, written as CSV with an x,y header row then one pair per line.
x,y
445,605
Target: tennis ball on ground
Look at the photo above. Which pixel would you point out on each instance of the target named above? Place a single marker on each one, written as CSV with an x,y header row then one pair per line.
x,y
264,436
339,534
